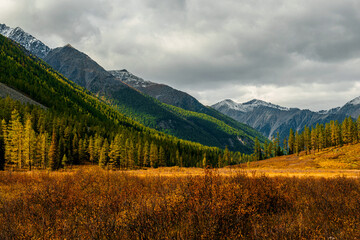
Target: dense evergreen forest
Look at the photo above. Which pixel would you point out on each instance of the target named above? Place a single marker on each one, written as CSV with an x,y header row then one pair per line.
x,y
78,128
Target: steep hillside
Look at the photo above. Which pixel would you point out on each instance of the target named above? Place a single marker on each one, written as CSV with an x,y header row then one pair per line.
x,y
79,122
31,44
161,92
269,119
6,91
81,69
174,97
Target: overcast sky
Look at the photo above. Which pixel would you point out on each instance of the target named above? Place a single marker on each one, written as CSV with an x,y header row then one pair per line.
x,y
303,53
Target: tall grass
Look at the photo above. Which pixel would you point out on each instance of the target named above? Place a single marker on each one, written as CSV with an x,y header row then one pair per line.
x,y
98,204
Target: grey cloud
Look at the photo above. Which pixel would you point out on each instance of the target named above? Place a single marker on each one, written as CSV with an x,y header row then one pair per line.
x,y
220,48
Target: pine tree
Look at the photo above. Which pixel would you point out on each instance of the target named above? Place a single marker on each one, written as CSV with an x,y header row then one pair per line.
x,y
257,150
154,154
103,158
266,150
291,142
146,154
204,161
91,150
226,158
29,143
2,149
139,155
64,161
15,135
53,153
307,139
162,157
44,149
297,143
6,140
114,153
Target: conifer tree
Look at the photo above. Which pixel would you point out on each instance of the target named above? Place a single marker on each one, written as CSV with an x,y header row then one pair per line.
x,y
2,149
297,143
162,157
146,154
29,143
64,161
103,161
15,135
139,155
307,139
153,155
226,158
114,153
257,150
91,150
291,142
204,161
44,149
266,150
53,153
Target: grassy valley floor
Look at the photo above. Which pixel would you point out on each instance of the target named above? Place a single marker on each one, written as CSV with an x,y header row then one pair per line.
x,y
291,197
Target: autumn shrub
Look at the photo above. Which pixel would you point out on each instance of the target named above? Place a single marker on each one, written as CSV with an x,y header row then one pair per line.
x,y
98,204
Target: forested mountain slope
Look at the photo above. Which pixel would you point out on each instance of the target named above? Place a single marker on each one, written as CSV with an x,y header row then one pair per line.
x,y
204,129
81,69
77,124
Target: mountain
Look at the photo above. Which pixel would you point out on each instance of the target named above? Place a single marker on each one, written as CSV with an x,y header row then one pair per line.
x,y
269,118
351,108
183,100
74,126
31,44
210,127
161,92
201,128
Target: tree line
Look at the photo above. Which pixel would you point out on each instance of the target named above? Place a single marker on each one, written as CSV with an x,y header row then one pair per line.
x,y
32,137
311,139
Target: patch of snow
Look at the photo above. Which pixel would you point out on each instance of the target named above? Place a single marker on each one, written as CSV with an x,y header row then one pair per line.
x,y
30,43
248,106
355,101
131,79
330,111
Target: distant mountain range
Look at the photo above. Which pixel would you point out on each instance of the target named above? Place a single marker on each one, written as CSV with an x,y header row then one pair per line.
x,y
269,118
214,129
161,92
199,123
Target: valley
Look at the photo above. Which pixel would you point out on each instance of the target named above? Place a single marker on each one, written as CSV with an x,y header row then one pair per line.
x,y
87,153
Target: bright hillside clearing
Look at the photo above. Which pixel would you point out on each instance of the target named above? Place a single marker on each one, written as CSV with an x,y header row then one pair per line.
x,y
330,162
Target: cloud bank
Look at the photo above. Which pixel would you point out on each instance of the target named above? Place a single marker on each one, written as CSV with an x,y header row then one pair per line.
x,y
293,53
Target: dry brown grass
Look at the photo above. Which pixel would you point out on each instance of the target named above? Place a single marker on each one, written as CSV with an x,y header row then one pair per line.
x,y
175,203
330,162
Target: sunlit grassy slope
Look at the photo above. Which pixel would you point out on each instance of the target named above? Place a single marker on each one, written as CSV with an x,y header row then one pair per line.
x,y
346,157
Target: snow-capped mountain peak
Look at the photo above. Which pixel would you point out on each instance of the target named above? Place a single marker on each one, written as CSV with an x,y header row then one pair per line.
x,y
355,101
130,78
26,40
247,106
258,103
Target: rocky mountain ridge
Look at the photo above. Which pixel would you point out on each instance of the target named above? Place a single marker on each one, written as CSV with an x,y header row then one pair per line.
x,y
269,118
26,40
